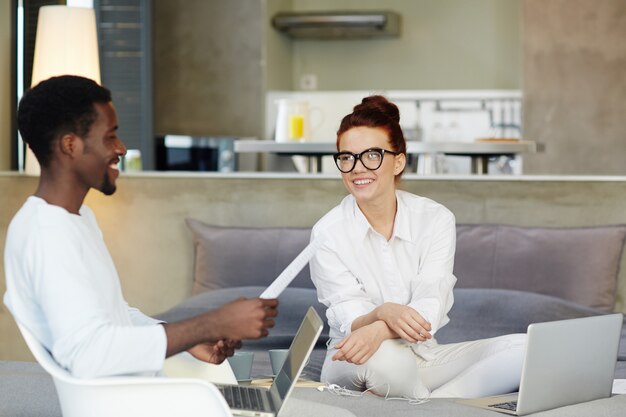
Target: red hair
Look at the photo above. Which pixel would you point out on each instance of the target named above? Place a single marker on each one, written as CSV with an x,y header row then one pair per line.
x,y
376,112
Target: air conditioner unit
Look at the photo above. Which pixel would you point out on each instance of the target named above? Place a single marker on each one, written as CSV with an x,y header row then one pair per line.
x,y
338,24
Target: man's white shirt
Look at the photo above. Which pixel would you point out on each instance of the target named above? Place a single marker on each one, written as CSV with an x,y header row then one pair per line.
x,y
63,286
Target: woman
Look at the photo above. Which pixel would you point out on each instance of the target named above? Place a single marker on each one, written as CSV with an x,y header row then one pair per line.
x,y
384,271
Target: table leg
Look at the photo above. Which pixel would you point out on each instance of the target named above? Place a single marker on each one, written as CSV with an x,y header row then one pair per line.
x,y
318,160
480,164
426,164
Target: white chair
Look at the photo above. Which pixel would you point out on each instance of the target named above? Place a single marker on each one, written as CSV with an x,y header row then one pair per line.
x,y
128,396
184,365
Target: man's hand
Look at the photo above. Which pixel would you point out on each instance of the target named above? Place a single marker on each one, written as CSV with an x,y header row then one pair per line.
x,y
405,321
237,320
246,318
215,353
362,343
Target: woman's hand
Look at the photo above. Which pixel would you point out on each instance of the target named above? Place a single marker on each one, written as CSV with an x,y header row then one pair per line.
x,y
214,353
405,321
362,343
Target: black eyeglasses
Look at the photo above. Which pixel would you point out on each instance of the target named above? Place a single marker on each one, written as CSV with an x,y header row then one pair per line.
x,y
371,159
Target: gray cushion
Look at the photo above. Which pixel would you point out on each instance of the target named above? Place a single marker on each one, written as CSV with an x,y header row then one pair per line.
x,y
483,313
292,306
476,314
374,406
576,264
237,256
26,390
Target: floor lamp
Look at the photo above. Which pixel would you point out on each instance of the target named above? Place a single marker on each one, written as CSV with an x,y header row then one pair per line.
x,y
66,44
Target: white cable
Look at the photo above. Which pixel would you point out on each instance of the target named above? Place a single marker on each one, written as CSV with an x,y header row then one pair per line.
x,y
344,392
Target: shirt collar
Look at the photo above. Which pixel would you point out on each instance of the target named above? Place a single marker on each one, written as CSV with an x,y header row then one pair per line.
x,y
401,227
361,223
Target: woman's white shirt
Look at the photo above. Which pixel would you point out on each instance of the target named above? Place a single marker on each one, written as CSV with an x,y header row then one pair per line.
x,y
356,269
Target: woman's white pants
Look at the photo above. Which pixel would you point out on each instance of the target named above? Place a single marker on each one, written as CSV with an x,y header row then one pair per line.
x,y
460,370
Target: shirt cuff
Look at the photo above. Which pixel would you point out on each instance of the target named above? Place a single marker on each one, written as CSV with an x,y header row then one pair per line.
x,y
140,319
428,308
341,316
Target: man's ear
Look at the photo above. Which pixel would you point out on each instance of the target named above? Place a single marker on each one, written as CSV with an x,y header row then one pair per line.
x,y
70,145
400,163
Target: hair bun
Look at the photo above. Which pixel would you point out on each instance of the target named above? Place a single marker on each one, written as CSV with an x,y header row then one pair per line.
x,y
381,104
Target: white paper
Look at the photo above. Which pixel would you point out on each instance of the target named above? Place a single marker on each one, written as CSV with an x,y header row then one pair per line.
x,y
619,386
292,270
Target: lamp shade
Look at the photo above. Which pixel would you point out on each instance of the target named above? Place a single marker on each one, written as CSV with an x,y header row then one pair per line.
x,y
66,44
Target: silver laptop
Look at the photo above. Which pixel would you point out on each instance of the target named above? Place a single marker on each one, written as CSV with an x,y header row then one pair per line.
x,y
264,402
566,362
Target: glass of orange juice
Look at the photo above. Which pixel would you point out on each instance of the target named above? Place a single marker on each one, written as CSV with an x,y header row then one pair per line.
x,y
296,126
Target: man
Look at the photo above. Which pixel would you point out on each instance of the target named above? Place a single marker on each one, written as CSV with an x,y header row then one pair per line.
x,y
61,281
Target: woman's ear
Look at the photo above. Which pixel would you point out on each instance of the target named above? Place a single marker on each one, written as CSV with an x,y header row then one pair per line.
x,y
400,163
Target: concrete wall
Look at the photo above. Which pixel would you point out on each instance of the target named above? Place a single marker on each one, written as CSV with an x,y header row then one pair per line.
x,y
214,61
279,48
444,44
143,223
208,67
575,85
6,112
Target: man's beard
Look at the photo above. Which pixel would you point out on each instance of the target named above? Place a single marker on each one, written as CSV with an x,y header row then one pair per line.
x,y
107,187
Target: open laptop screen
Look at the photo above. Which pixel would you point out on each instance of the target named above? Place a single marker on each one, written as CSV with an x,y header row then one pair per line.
x,y
298,353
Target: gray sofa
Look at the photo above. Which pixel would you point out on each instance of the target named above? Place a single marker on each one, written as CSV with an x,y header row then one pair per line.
x,y
508,277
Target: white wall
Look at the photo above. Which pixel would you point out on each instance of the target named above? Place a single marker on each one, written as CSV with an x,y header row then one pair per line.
x,y
327,108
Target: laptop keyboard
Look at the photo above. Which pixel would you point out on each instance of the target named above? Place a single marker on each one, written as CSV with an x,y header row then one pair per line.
x,y
509,405
240,397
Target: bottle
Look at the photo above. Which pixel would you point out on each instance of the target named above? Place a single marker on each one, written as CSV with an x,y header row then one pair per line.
x,y
132,160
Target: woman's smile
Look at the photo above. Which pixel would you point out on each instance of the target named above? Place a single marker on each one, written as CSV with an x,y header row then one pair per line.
x,y
362,182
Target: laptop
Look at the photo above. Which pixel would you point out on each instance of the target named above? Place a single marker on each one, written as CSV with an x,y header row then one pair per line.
x,y
566,362
264,402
